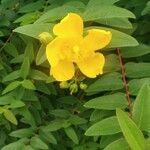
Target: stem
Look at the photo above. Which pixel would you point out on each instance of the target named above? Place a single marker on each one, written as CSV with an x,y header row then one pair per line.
x,y
8,39
123,72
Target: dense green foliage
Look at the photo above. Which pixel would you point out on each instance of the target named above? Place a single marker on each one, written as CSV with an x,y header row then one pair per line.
x,y
111,114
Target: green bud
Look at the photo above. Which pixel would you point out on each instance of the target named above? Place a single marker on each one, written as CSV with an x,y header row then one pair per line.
x,y
45,38
83,86
73,88
64,85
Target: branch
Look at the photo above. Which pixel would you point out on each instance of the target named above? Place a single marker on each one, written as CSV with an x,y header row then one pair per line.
x,y
123,72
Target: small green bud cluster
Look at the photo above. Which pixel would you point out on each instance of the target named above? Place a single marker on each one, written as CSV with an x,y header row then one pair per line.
x,y
73,86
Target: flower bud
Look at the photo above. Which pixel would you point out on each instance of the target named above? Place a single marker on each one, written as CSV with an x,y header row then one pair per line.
x,y
45,38
73,88
83,86
64,85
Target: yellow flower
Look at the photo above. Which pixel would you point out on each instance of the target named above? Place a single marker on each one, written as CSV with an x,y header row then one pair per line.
x,y
70,49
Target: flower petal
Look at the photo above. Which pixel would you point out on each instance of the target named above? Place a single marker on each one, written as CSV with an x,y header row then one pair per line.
x,y
97,39
63,71
70,26
52,51
93,65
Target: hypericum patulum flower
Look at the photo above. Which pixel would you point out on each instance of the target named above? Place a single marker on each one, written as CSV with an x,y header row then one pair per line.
x,y
70,49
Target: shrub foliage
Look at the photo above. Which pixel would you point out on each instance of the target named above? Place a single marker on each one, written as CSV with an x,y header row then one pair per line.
x,y
112,113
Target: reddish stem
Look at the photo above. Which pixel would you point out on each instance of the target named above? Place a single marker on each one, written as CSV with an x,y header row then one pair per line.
x,y
123,72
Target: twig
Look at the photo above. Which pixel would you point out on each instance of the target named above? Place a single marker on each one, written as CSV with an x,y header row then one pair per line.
x,y
123,71
6,41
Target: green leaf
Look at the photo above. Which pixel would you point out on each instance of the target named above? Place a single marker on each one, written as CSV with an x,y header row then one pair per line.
x,y
141,111
11,86
56,13
16,104
18,59
93,3
38,75
11,49
104,127
62,113
72,134
4,100
28,147
33,6
136,84
41,56
27,84
112,63
29,51
10,116
53,126
34,30
76,120
115,22
109,82
14,146
108,139
106,11
48,136
28,18
137,51
120,144
109,102
140,70
146,9
42,87
37,143
12,76
147,143
25,68
22,133
131,132
98,115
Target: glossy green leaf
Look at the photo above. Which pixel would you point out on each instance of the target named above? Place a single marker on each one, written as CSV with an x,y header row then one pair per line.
x,y
131,132
22,133
41,56
14,146
120,144
137,51
109,82
136,84
28,84
106,126
11,86
109,102
70,132
56,13
38,75
141,111
10,116
37,143
115,22
106,11
140,70
25,68
12,76
34,30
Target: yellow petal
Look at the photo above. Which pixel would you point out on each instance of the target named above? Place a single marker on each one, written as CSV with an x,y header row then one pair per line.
x,y
70,26
52,52
60,49
92,66
97,39
63,71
